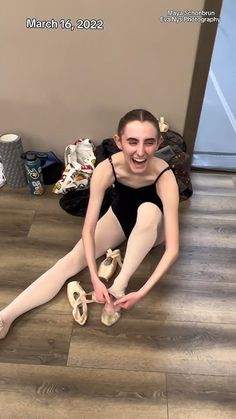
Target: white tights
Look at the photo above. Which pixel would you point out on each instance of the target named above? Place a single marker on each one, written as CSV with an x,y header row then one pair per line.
x,y
142,238
109,234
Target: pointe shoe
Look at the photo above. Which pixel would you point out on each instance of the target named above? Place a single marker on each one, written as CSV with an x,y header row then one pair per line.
x,y
3,328
80,311
109,265
163,124
78,300
109,315
74,291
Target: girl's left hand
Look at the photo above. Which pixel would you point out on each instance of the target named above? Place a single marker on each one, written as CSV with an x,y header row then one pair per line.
x,y
128,300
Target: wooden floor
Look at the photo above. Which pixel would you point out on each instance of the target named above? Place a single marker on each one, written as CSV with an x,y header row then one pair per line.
x,y
173,356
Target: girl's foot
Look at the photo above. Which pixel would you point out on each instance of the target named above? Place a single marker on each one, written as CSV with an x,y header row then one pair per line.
x,y
110,314
4,327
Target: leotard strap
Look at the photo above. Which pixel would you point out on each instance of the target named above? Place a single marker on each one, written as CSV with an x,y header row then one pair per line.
x,y
114,173
163,171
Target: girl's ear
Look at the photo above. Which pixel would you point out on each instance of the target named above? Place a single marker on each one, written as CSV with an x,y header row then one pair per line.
x,y
160,141
118,142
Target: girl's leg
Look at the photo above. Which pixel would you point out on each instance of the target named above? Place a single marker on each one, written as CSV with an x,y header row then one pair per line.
x,y
147,232
108,234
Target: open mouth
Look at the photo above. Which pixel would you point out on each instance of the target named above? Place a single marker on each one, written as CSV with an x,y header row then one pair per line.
x,y
139,162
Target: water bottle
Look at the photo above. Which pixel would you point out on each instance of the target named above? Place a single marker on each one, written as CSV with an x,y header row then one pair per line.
x,y
33,173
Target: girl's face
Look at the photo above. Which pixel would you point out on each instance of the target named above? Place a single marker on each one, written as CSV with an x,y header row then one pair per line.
x,y
139,143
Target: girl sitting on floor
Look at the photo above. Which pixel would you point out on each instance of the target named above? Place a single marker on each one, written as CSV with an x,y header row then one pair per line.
x,y
144,212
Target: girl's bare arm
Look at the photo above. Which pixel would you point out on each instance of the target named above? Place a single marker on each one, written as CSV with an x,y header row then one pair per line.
x,y
101,180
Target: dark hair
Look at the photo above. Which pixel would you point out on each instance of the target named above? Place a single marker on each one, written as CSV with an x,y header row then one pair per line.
x,y
138,115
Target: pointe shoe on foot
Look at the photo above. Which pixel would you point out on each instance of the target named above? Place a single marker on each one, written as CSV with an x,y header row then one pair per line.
x,y
4,327
78,300
110,315
109,265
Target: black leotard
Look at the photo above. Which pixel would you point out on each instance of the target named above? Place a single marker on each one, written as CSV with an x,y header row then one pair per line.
x,y
127,200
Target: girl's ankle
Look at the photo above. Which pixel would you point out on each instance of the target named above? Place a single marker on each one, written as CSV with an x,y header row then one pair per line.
x,y
116,294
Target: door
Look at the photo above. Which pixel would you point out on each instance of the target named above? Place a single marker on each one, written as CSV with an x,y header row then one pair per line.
x,y
215,146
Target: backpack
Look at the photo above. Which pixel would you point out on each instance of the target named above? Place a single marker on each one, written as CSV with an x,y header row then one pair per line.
x,y
173,151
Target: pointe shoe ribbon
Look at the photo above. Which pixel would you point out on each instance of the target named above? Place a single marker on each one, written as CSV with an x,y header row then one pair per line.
x,y
108,266
78,300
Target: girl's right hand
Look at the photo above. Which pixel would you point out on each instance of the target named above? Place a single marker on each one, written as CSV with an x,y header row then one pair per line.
x,y
101,292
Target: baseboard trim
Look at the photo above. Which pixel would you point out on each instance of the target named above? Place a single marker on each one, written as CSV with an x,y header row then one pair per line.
x,y
214,161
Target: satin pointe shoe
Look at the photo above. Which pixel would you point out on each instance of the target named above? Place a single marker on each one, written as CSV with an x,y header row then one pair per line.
x,y
164,126
74,291
109,315
78,300
108,266
109,319
4,327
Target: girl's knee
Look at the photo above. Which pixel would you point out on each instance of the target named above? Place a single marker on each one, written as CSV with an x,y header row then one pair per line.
x,y
148,216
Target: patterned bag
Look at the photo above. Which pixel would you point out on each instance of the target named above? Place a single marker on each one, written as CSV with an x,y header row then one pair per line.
x,y
75,176
80,162
82,151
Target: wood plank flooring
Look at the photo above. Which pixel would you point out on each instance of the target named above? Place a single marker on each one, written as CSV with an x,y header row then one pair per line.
x,y
172,356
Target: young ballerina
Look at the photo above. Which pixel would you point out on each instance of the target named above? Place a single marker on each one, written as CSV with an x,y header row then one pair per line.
x,y
144,212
